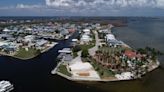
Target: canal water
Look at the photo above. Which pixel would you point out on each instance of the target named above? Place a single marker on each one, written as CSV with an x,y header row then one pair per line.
x,y
34,75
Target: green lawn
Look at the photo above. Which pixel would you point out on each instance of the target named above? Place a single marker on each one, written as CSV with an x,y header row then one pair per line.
x,y
84,47
75,54
102,71
23,54
62,69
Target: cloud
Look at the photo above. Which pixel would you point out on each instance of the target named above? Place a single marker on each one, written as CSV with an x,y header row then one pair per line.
x,y
106,3
24,6
96,7
80,5
93,7
160,4
6,7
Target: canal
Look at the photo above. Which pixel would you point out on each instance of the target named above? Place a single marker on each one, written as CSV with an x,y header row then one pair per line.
x,y
34,75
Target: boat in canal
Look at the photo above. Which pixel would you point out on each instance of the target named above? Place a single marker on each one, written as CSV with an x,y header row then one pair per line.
x,y
5,86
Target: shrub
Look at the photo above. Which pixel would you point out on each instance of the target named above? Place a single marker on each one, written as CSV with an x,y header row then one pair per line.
x,y
84,53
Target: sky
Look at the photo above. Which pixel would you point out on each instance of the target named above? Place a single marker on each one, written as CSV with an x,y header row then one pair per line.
x,y
81,7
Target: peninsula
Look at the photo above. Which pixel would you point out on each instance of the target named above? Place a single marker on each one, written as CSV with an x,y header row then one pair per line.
x,y
96,55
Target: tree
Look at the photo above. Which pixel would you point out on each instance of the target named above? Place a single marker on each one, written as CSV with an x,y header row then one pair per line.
x,y
38,51
142,51
84,53
76,48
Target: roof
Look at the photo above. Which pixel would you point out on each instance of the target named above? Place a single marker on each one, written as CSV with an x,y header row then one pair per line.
x,y
29,29
110,37
29,36
3,43
41,42
86,30
85,37
130,54
74,40
115,42
6,30
71,30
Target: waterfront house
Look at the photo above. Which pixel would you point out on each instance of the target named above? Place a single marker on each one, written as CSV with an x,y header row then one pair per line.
x,y
8,47
110,37
112,41
130,54
65,55
115,43
41,44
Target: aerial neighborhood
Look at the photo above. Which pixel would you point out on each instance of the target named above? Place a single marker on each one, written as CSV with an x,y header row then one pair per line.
x,y
27,41
94,55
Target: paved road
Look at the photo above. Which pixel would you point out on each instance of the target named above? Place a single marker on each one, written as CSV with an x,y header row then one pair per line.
x,y
93,50
78,58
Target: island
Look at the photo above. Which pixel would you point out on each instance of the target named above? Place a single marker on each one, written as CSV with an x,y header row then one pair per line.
x,y
97,55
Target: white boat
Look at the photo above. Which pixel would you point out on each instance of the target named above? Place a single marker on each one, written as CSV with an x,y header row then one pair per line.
x,y
6,86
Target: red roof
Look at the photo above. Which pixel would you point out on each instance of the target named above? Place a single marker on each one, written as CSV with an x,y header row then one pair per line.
x,y
130,54
71,30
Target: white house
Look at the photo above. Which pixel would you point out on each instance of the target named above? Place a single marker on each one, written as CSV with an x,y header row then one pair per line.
x,y
110,37
3,43
87,31
74,40
85,38
6,30
28,29
41,44
29,38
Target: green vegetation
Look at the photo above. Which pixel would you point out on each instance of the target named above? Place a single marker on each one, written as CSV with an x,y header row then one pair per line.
x,y
101,35
111,50
62,69
75,54
150,52
24,54
75,50
102,71
83,47
84,53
